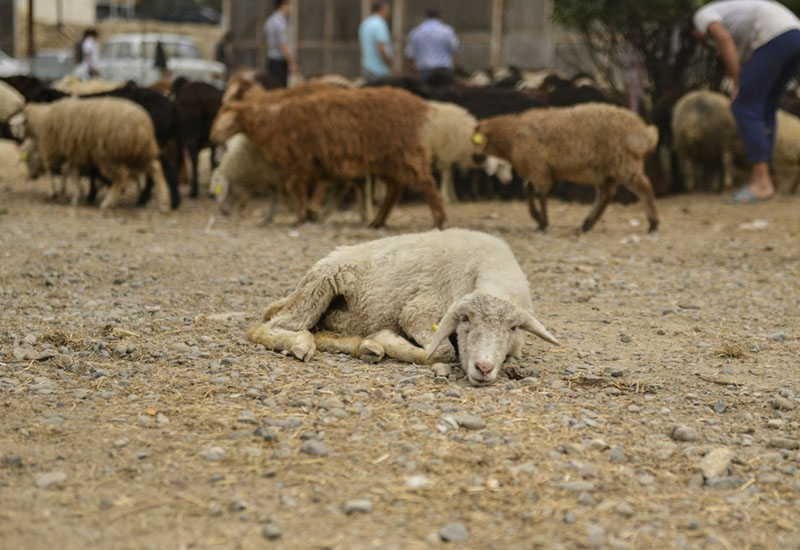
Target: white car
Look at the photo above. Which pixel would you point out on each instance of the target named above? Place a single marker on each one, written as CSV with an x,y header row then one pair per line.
x,y
132,57
10,66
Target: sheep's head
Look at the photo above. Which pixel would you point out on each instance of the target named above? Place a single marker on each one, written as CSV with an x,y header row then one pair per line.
x,y
488,330
238,86
29,153
226,123
484,155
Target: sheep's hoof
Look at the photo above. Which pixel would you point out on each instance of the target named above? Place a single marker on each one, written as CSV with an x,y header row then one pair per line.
x,y
304,348
653,226
370,351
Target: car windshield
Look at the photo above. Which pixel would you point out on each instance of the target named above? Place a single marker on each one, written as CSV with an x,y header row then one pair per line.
x,y
172,49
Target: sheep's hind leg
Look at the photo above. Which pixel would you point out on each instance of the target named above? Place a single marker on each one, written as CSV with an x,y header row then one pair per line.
x,y
640,185
603,196
365,349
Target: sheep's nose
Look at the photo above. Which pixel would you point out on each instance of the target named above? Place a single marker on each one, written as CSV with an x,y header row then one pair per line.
x,y
485,368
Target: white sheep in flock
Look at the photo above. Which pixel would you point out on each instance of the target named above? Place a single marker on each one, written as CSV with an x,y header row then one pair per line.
x,y
403,297
11,101
245,171
593,144
707,143
112,135
12,167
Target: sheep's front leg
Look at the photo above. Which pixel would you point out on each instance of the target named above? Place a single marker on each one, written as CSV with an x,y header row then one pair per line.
x,y
298,343
365,349
394,346
117,185
448,186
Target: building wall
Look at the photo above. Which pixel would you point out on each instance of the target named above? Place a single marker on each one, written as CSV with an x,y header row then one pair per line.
x,y
492,32
74,12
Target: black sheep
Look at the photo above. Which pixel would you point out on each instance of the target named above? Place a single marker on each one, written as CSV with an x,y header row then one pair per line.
x,y
197,103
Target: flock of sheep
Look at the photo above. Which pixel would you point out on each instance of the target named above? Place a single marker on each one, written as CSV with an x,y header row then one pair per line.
x,y
462,293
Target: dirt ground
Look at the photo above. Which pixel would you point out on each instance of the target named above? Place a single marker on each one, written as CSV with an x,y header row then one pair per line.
x,y
135,415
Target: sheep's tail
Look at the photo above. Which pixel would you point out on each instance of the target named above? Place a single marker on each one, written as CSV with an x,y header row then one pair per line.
x,y
640,144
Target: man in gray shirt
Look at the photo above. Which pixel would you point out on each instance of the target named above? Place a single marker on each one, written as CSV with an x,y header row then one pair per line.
x,y
759,43
280,45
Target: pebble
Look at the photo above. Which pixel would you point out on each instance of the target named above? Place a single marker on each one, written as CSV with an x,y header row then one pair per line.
x,y
716,462
470,422
121,442
266,434
685,433
80,394
417,482
783,443
720,407
50,478
783,404
454,532
181,348
314,447
363,506
270,531
213,454
775,423
576,486
624,508
726,482
442,369
616,454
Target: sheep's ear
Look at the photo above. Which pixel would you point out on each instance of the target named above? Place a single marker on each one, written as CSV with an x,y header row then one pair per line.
x,y
532,325
444,329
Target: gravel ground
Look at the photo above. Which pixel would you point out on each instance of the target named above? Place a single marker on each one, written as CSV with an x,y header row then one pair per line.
x,y
135,415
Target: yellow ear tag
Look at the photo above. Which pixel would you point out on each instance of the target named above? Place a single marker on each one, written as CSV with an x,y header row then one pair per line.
x,y
478,139
218,189
23,156
435,328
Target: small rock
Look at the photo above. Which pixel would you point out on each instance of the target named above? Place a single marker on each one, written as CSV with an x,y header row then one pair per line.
x,y
442,369
121,442
363,506
14,460
783,443
213,454
246,417
48,479
80,394
570,517
454,532
314,447
720,407
624,508
586,499
685,433
237,505
726,482
616,454
625,338
162,419
470,422
775,423
716,462
417,482
266,434
779,336
783,404
576,486
271,531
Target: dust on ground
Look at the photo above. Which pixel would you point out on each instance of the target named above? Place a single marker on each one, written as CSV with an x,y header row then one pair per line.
x,y
135,415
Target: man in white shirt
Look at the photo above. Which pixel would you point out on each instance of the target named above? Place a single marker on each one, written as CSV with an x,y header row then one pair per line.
x,y
90,64
759,43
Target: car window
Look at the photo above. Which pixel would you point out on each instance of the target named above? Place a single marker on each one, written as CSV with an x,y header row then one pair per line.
x,y
172,49
125,50
110,50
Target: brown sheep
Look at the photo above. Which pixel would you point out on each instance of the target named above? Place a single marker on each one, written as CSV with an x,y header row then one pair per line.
x,y
593,143
243,86
340,136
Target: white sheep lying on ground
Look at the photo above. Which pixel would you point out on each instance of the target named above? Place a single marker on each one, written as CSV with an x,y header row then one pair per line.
x,y
114,136
395,296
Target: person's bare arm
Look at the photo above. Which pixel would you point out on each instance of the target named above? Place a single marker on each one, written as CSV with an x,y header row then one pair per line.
x,y
287,55
723,41
384,54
